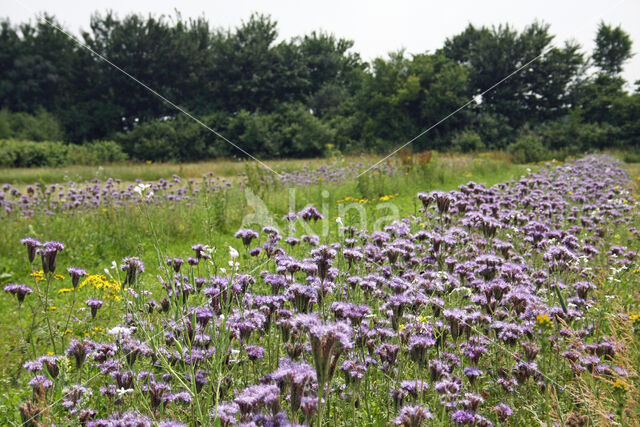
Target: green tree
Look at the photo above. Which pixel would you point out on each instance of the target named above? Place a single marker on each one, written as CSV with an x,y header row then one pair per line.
x,y
36,66
538,91
403,96
613,49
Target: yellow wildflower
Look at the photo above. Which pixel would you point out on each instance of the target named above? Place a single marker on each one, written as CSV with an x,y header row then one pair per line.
x,y
99,281
53,308
620,385
543,319
38,275
402,327
64,290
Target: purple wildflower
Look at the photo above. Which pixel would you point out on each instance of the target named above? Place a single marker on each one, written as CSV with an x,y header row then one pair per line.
x,y
19,290
94,304
32,245
76,273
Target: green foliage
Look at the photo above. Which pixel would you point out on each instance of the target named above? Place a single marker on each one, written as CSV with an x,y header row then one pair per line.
x,y
95,153
5,125
573,136
402,96
24,154
613,49
42,126
535,93
528,148
155,141
467,140
290,98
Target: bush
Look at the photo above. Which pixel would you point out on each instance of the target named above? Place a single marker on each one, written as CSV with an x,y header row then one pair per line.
x,y
96,153
154,140
573,136
292,131
466,141
25,154
42,126
528,148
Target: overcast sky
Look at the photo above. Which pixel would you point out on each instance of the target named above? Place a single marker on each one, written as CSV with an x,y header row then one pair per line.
x,y
376,26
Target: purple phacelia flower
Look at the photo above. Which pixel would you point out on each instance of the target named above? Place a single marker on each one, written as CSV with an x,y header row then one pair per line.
x,y
310,213
94,304
503,411
247,235
413,416
32,245
76,273
19,290
133,267
49,253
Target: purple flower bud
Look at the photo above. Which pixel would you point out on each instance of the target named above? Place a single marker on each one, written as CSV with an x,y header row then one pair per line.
x,y
76,273
32,245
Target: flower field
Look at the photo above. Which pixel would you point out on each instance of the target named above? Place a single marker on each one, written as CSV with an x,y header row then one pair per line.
x,y
512,304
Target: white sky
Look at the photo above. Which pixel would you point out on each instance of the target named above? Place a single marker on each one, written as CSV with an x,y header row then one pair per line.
x,y
376,26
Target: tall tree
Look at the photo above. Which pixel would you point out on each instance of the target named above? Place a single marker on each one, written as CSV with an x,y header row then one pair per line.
x,y
250,71
613,49
36,66
403,96
332,71
535,93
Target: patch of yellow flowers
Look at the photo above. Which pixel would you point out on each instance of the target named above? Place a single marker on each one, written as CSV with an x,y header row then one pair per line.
x,y
356,200
353,199
388,197
100,281
111,287
543,319
39,276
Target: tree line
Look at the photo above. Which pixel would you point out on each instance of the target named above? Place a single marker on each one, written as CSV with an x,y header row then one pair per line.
x,y
310,94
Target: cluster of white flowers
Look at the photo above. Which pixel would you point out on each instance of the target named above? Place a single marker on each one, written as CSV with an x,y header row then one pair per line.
x,y
233,261
120,331
114,267
144,190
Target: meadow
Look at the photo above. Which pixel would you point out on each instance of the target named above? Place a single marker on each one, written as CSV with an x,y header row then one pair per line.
x,y
432,290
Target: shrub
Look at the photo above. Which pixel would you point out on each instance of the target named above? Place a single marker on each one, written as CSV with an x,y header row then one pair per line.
x,y
466,141
25,154
42,126
96,153
528,148
154,140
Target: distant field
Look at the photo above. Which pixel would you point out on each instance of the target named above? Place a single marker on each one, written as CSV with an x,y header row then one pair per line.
x,y
228,168
150,171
